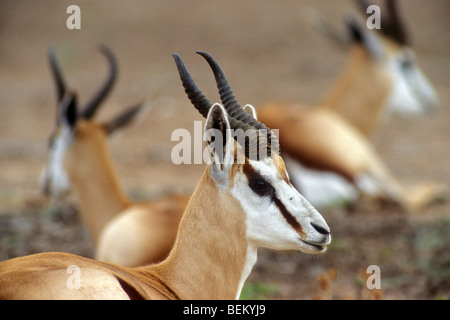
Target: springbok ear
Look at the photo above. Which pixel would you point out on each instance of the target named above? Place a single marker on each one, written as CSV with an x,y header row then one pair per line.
x,y
125,118
360,34
68,114
251,111
218,139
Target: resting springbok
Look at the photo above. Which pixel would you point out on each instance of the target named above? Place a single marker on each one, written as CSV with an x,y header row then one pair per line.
x,y
326,148
236,208
382,75
124,232
331,162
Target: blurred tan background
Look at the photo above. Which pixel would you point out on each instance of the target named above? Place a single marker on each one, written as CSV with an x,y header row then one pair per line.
x,y
269,52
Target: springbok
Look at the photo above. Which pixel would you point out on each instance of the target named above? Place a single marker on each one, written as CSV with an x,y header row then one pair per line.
x,y
124,232
331,162
341,163
382,75
236,208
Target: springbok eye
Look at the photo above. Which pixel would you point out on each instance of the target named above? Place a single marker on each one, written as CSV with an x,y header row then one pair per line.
x,y
261,186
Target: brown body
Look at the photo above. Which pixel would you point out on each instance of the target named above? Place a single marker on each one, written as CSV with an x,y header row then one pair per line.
x,y
125,232
149,228
206,262
322,140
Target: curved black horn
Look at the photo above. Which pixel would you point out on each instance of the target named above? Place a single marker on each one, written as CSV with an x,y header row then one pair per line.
x,y
362,5
227,97
197,98
230,102
392,24
253,138
226,93
395,26
57,76
92,106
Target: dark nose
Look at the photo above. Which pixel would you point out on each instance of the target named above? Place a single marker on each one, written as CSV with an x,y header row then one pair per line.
x,y
321,229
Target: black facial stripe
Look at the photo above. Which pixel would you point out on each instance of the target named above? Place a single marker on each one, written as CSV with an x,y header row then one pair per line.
x,y
288,216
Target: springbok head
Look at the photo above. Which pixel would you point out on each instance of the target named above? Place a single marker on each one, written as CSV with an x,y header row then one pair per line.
x,y
387,49
276,215
76,138
411,92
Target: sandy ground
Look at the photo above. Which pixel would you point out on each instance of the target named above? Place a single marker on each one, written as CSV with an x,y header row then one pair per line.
x,y
269,52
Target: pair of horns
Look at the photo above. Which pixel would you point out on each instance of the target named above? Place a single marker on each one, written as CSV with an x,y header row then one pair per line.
x,y
89,110
392,24
256,134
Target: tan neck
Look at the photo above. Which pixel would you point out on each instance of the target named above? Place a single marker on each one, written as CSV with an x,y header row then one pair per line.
x,y
95,181
209,258
360,92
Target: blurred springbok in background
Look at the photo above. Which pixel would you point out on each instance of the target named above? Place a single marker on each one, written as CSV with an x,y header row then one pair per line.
x,y
382,75
326,147
235,208
124,232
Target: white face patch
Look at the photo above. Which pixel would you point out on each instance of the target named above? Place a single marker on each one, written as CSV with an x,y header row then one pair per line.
x,y
411,93
280,218
277,216
54,179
